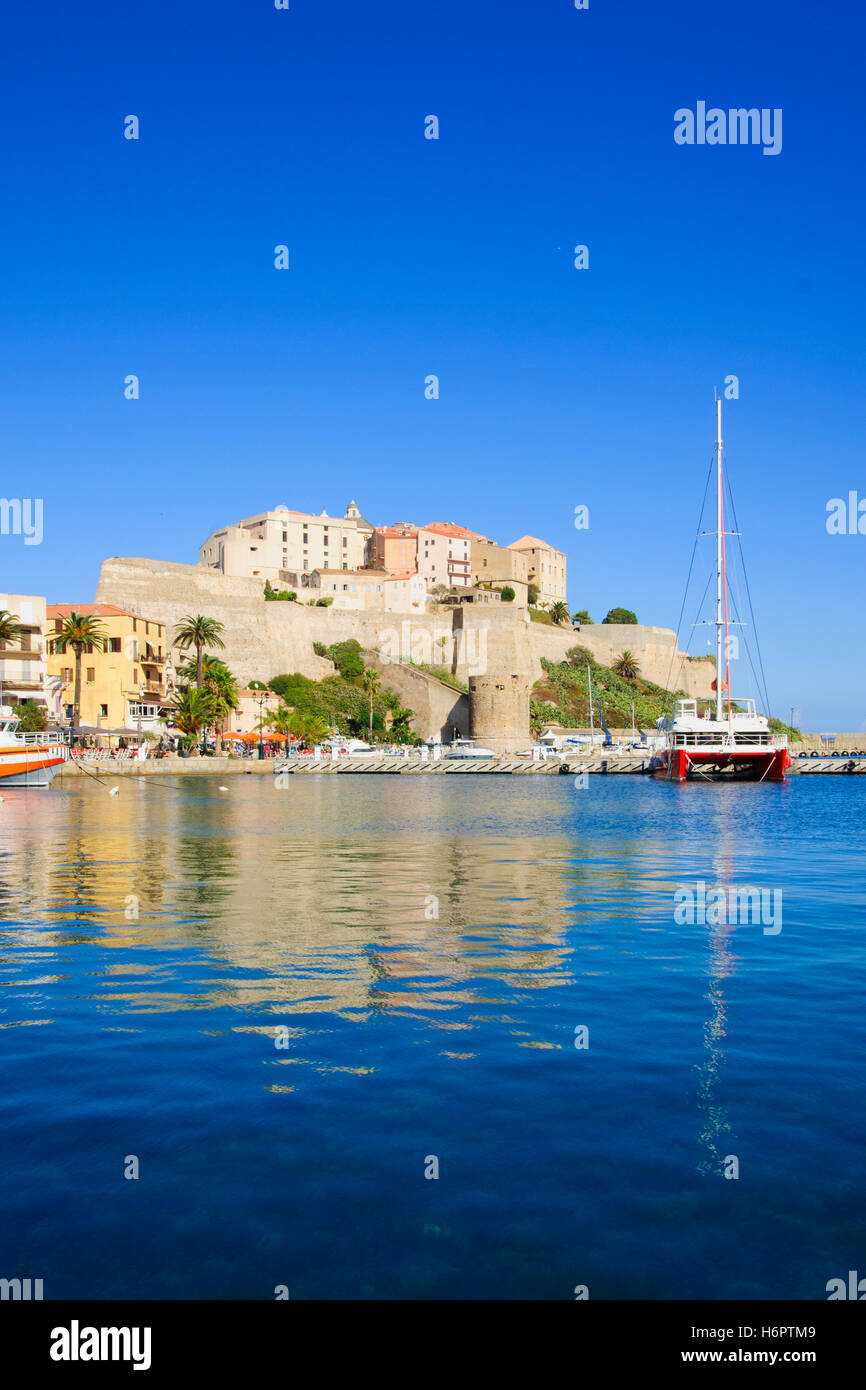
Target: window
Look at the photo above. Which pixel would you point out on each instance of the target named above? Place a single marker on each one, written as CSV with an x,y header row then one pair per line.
x,y
114,644
66,675
147,629
345,541
91,674
133,625
138,711
103,711
285,537
135,675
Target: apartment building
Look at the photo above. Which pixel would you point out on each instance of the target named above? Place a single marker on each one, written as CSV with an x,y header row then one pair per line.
x,y
546,568
124,685
283,544
405,593
498,565
22,662
393,548
356,591
444,554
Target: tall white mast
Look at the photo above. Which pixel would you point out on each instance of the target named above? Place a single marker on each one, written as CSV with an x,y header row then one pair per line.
x,y
719,617
591,720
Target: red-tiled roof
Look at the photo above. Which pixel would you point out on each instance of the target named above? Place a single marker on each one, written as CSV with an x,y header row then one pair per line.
x,y
91,610
448,528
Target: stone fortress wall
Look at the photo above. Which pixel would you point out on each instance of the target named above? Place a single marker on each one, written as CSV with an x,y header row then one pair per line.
x,y
493,643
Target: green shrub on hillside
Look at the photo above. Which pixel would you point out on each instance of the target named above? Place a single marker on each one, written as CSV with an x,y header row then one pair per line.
x,y
563,689
344,706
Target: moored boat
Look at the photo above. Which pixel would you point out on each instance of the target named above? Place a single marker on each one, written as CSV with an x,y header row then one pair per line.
x,y
731,739
27,760
467,748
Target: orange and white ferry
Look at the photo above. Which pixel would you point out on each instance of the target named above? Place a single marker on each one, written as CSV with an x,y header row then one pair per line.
x,y
720,742
27,760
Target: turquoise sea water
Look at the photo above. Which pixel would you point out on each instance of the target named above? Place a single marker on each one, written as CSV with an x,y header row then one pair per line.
x,y
428,947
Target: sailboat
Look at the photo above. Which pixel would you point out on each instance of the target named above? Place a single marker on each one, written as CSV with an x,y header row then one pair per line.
x,y
718,742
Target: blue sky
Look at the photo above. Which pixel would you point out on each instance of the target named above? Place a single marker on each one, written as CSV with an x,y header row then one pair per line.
x,y
455,257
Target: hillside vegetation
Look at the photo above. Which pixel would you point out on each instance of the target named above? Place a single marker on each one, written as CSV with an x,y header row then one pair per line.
x,y
341,701
561,696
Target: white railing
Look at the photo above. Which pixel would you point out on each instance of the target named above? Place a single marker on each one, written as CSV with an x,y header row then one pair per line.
x,y
38,738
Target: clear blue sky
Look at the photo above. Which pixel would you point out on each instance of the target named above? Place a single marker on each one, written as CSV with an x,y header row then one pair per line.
x,y
454,257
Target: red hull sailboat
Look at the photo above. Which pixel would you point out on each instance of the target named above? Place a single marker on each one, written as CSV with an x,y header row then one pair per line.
x,y
718,742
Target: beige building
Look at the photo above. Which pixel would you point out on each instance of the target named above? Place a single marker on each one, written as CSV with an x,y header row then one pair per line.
x,y
405,593
122,686
355,591
546,568
499,565
22,663
444,554
245,719
284,544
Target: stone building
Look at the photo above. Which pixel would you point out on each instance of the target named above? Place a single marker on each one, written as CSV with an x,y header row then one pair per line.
x,y
283,544
546,568
500,565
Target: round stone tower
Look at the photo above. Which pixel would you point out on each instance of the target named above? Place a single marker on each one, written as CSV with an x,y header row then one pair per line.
x,y
499,711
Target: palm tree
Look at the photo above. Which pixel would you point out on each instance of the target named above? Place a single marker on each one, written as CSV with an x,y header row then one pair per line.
x,y
82,633
307,728
10,633
192,710
626,666
372,682
559,612
223,688
199,632
285,720
10,628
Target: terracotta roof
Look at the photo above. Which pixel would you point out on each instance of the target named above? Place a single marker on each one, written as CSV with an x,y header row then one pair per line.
x,y
407,574
448,528
405,531
91,610
531,543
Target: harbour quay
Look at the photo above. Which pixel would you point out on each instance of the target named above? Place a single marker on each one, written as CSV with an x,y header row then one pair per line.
x,y
597,763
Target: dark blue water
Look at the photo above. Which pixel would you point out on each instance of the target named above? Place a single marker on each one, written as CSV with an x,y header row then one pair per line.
x,y
411,1035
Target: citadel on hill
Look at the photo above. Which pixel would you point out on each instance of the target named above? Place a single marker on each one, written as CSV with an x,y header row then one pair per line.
x,y
394,568
425,602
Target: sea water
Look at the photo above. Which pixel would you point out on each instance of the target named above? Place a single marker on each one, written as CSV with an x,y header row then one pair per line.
x,y
432,1037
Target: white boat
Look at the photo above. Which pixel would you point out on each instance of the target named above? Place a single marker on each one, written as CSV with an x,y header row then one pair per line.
x,y
715,741
351,747
27,760
467,748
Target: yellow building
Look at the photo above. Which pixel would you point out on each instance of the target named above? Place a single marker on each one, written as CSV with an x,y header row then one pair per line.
x,y
122,686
